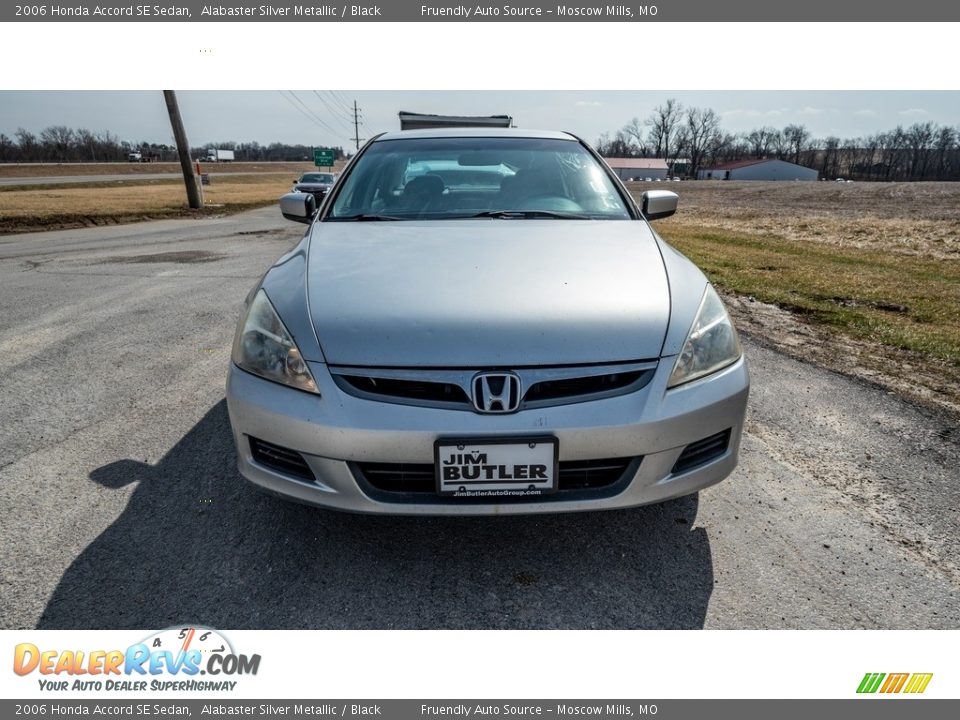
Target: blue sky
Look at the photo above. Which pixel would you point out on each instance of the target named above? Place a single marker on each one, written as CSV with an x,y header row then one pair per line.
x,y
271,115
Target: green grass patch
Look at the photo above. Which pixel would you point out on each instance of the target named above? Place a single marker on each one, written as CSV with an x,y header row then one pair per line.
x,y
899,300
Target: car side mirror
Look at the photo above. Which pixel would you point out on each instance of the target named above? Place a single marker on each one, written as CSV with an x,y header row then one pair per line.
x,y
657,204
299,207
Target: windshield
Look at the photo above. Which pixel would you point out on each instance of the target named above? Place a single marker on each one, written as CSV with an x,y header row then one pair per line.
x,y
316,178
442,178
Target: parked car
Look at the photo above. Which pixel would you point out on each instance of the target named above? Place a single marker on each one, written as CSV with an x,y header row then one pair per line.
x,y
440,343
317,184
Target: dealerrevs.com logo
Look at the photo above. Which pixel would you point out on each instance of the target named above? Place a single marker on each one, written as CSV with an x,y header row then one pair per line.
x,y
172,659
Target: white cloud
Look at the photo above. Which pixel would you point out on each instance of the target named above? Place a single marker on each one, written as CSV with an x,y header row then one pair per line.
x,y
914,112
866,113
812,111
588,103
750,113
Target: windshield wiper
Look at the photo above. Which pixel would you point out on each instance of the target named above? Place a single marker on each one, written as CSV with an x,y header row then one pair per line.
x,y
365,217
528,214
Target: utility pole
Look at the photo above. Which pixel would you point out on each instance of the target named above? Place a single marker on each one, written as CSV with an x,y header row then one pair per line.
x,y
194,199
356,125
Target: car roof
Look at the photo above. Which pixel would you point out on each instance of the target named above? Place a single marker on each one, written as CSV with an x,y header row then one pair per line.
x,y
478,132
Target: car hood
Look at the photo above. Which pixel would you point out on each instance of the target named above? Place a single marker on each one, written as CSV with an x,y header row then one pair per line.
x,y
487,293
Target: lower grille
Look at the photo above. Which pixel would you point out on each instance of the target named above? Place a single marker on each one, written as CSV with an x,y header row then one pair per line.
x,y
281,459
419,478
399,477
702,452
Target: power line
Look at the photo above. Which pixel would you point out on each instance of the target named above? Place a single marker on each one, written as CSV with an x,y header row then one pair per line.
x,y
342,98
298,109
340,104
333,114
312,113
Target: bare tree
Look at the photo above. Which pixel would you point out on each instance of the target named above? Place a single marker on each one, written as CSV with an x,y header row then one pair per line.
x,y
796,138
635,132
761,141
945,141
700,132
663,123
919,138
58,142
27,142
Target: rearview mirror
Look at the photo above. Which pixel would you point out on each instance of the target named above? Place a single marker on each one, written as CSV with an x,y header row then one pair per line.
x,y
299,207
479,158
657,204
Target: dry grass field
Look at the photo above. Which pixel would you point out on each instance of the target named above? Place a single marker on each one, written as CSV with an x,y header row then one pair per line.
x,y
862,277
47,207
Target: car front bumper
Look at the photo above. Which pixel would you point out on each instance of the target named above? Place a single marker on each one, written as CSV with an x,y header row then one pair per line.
x,y
335,431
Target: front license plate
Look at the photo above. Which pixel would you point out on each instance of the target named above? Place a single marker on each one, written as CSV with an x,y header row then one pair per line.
x,y
496,468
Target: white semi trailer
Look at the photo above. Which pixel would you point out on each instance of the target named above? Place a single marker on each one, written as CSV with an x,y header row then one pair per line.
x,y
215,155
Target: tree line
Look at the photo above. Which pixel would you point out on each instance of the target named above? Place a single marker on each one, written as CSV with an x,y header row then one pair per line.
x,y
693,138
61,144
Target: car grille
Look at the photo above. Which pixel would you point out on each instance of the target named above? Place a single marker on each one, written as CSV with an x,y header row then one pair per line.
x,y
702,452
419,478
451,389
281,459
409,389
577,386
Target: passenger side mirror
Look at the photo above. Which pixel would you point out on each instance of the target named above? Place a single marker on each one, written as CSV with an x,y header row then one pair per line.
x,y
657,204
299,207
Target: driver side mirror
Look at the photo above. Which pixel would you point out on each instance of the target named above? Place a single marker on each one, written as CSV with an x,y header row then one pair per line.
x,y
657,204
299,207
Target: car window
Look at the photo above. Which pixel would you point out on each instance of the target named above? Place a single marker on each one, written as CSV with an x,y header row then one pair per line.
x,y
444,178
316,178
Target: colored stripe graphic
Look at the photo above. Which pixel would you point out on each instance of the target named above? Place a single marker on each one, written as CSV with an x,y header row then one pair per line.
x,y
894,682
870,682
918,682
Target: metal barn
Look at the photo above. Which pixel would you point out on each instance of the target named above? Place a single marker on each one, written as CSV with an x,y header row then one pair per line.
x,y
626,168
766,169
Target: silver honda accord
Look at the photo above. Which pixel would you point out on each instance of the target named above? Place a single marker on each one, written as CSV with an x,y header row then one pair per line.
x,y
484,322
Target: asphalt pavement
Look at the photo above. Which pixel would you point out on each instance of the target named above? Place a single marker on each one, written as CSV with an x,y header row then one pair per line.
x,y
120,505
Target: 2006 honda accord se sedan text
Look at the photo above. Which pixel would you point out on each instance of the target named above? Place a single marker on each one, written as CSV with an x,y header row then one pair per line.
x,y
479,322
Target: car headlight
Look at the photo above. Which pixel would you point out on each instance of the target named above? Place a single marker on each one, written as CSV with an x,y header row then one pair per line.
x,y
265,348
711,344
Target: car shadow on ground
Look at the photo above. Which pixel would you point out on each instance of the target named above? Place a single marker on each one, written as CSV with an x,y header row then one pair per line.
x,y
198,544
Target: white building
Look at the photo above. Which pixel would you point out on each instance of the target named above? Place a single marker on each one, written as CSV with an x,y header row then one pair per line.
x,y
768,169
642,168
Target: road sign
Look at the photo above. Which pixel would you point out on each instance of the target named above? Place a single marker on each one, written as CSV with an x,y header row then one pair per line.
x,y
323,158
